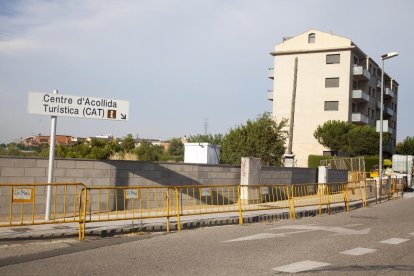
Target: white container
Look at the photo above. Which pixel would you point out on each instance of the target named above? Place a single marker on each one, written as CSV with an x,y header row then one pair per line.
x,y
201,153
402,163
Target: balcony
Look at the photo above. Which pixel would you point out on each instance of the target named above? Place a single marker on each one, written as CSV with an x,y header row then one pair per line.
x,y
360,96
358,118
389,93
379,105
388,112
360,73
270,95
271,73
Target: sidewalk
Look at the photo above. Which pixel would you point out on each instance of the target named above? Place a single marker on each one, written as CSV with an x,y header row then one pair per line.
x,y
110,228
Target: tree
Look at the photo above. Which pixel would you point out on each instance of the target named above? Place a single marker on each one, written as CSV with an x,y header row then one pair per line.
x,y
176,147
149,152
363,140
262,138
334,135
214,139
128,143
406,147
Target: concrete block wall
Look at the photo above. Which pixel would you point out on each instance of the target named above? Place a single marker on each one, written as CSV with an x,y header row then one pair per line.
x,y
276,175
337,176
93,173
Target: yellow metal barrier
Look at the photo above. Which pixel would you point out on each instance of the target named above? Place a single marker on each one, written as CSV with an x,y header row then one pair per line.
x,y
24,204
304,195
130,202
194,200
264,197
356,191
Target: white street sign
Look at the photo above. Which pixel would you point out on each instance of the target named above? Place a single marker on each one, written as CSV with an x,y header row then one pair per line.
x,y
77,106
384,126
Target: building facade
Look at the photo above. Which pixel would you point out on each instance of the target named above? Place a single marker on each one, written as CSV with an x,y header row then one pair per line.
x,y
335,80
34,141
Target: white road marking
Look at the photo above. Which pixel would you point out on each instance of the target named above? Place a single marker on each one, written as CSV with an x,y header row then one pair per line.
x,y
352,225
336,230
394,241
262,236
358,251
300,266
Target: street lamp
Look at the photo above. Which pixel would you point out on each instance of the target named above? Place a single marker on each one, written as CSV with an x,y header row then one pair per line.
x,y
384,57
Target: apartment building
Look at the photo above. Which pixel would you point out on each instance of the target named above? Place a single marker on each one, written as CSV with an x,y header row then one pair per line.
x,y
335,80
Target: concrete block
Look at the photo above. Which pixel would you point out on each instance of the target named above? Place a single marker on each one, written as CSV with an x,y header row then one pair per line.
x,y
93,173
205,169
188,168
69,164
12,172
148,166
22,180
40,179
25,163
231,176
216,169
34,171
222,175
6,162
6,180
212,175
65,179
102,165
84,164
74,173
103,181
58,172
43,163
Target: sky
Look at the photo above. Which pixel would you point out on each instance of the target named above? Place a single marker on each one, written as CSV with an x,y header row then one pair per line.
x,y
181,64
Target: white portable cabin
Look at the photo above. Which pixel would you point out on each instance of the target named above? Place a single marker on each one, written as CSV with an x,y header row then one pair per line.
x,y
201,153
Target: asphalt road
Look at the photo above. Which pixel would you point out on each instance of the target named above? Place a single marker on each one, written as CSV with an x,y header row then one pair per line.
x,y
368,241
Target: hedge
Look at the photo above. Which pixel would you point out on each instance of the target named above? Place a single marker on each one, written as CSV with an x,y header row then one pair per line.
x,y
314,161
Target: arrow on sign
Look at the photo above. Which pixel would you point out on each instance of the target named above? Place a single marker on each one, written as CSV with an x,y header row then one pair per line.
x,y
123,116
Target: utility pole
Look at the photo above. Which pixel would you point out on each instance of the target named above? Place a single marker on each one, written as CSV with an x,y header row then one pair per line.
x,y
292,108
289,157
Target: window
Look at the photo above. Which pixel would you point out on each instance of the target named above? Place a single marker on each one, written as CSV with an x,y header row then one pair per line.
x,y
331,105
332,82
311,38
332,59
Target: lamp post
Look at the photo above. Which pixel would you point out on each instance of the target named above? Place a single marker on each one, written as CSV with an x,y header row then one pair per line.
x,y
384,57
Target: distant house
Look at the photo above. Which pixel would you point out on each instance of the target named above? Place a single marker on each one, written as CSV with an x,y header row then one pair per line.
x,y
155,142
35,141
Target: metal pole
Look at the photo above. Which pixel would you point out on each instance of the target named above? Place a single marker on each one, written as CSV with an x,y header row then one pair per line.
x,y
380,138
51,163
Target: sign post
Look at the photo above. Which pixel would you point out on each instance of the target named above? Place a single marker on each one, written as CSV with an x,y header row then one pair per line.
x,y
51,163
55,105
